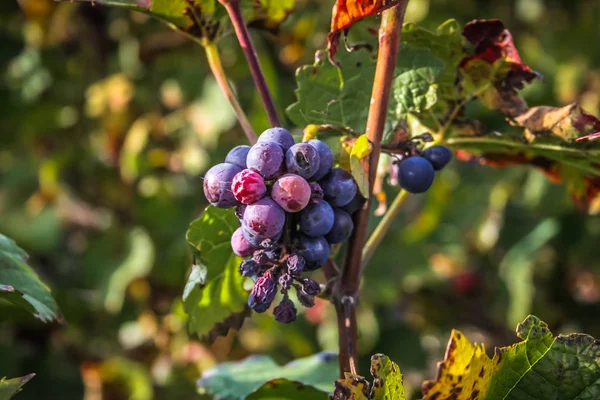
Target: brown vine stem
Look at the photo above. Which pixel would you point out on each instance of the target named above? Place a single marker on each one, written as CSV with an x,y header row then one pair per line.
x,y
235,13
346,295
214,61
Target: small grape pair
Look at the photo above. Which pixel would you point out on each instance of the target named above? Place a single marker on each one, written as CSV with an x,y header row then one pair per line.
x,y
416,173
277,184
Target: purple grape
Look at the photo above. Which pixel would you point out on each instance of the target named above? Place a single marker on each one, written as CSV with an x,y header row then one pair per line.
x,y
291,192
316,219
295,264
249,268
217,185
305,299
256,239
314,250
237,156
266,158
310,287
302,159
438,156
285,280
264,218
355,204
248,186
285,312
325,159
339,187
263,292
316,192
342,227
280,136
415,174
240,245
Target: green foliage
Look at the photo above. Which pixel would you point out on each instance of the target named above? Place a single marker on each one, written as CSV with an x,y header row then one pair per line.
x,y
387,382
541,366
10,387
20,285
259,377
214,290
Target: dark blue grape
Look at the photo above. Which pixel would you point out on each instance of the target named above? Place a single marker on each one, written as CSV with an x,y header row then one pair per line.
x,y
266,158
302,159
339,187
305,299
295,264
238,155
310,286
265,218
438,156
314,250
249,268
356,203
217,185
325,159
316,219
285,312
342,227
415,174
281,136
263,292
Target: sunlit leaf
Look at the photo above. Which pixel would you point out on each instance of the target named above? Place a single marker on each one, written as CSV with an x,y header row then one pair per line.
x,y
10,387
540,367
360,151
20,285
214,297
260,376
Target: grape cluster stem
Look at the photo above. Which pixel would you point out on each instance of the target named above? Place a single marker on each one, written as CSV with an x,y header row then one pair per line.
x,y
349,280
234,10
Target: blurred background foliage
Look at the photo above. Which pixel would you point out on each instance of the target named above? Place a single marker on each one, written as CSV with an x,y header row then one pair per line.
x,y
108,122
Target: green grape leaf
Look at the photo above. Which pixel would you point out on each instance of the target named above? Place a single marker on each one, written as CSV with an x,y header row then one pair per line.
x,y
10,387
542,367
328,95
387,382
20,285
214,297
206,19
258,376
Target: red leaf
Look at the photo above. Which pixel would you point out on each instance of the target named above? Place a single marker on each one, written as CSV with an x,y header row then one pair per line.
x,y
347,12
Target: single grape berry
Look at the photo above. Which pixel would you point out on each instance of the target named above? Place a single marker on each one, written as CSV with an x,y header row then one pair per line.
x,y
256,239
263,292
415,174
264,218
355,204
266,158
302,159
217,185
240,245
291,192
237,156
305,299
316,219
280,136
325,159
314,250
248,186
249,268
339,187
285,312
438,156
285,280
295,264
310,286
342,227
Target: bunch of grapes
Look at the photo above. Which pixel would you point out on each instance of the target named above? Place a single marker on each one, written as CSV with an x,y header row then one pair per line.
x,y
416,170
292,205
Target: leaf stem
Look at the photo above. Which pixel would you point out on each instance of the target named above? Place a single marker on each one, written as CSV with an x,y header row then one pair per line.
x,y
346,291
214,60
383,227
237,19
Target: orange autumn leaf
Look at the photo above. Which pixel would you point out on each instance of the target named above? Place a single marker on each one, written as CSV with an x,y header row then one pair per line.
x,y
347,12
